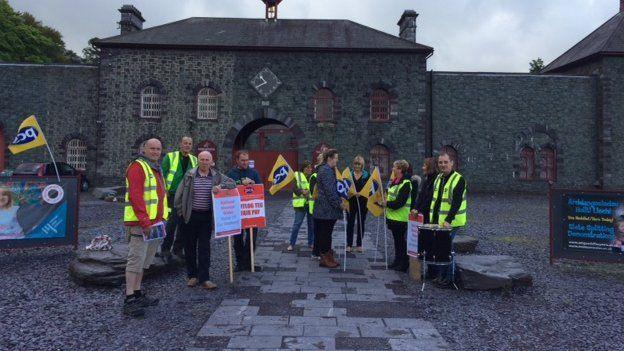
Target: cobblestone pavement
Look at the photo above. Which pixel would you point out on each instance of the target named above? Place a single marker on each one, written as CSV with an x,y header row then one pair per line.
x,y
295,304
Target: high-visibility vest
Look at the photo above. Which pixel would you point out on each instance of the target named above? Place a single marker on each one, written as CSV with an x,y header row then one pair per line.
x,y
401,214
150,196
311,200
299,201
174,164
445,203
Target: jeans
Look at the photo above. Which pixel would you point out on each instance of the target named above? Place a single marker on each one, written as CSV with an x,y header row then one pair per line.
x,y
173,229
324,229
197,233
242,248
300,213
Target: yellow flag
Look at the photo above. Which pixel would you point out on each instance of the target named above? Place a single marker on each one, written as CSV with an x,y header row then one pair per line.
x,y
372,190
348,180
29,135
280,175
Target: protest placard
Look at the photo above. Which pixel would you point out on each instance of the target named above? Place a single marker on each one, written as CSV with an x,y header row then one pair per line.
x,y
252,206
227,213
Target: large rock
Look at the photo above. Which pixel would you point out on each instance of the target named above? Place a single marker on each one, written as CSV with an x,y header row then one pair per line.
x,y
114,191
465,244
107,268
482,272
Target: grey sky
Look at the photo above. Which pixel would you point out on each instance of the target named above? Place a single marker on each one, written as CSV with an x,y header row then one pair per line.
x,y
467,35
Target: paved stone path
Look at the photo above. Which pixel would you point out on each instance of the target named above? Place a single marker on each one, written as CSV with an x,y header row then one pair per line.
x,y
295,304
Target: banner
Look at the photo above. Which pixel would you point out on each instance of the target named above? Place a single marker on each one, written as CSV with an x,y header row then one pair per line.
x,y
252,206
37,211
29,135
587,225
412,234
226,206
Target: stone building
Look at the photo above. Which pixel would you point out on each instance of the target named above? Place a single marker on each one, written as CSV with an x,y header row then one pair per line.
x,y
295,86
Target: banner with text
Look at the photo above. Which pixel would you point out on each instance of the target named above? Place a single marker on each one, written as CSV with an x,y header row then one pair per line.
x,y
412,234
252,206
587,225
227,213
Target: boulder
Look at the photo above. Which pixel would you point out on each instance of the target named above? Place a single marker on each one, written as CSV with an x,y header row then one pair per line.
x,y
113,191
483,272
465,244
107,268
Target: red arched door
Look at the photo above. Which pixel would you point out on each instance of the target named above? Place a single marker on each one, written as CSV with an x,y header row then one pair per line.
x,y
2,147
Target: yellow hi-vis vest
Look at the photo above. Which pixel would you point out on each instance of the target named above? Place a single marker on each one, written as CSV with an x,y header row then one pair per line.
x,y
311,200
402,214
174,164
445,203
299,201
150,196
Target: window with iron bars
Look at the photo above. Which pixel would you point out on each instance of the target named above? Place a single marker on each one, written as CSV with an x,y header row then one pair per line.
x,y
77,154
207,104
151,103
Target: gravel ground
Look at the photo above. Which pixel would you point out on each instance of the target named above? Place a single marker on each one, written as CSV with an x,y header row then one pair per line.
x,y
43,309
567,309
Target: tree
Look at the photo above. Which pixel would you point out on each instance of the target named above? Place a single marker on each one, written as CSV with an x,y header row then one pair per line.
x,y
91,53
24,39
536,66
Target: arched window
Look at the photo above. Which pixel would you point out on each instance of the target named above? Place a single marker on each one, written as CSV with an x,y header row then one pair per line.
x,y
380,105
453,154
548,169
323,105
151,102
527,163
207,104
380,157
77,154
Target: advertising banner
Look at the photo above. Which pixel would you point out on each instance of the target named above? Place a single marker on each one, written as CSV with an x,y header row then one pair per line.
x,y
38,211
412,235
252,206
587,225
227,213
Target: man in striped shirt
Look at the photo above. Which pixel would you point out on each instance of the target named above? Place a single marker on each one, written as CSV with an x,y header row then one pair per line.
x,y
193,200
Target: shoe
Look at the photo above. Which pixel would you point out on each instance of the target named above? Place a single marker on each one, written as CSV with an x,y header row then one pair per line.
x,y
133,308
323,261
192,282
394,264
360,249
208,285
289,248
178,252
146,301
348,249
256,269
327,260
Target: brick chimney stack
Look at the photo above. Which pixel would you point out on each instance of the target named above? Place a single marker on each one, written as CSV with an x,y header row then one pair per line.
x,y
131,19
407,25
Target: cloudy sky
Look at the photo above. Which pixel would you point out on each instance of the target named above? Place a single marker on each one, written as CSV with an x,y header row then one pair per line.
x,y
467,35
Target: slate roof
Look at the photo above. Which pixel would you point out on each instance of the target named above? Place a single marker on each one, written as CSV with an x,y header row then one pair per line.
x,y
258,34
608,39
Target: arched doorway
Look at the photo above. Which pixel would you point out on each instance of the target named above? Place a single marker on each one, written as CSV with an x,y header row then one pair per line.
x,y
2,148
266,137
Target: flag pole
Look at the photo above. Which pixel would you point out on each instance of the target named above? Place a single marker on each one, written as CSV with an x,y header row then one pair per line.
x,y
360,222
344,218
50,151
385,226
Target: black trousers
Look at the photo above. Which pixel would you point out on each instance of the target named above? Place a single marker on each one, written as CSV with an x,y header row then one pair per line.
x,y
358,213
399,234
197,233
173,229
323,229
242,248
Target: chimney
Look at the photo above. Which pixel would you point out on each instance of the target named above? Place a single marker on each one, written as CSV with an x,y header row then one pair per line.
x,y
131,19
407,25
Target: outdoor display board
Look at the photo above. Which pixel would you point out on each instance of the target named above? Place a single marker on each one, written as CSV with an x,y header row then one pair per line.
x,y
587,225
252,206
38,211
227,213
412,235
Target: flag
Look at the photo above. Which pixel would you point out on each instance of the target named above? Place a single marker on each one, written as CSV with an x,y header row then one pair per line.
x,y
372,190
343,188
280,175
29,135
349,183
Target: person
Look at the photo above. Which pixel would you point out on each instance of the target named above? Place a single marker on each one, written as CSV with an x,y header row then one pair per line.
x,y
618,224
301,196
423,201
357,204
328,208
146,206
397,203
448,206
174,166
319,162
9,226
243,175
193,202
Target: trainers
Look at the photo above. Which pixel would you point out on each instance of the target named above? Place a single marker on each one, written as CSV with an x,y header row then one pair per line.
x,y
192,282
360,249
208,285
132,307
146,301
289,248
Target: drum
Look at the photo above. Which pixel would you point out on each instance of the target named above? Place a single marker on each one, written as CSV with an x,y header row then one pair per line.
x,y
434,243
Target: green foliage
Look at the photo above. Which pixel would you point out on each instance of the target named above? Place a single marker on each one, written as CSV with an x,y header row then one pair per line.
x,y
91,53
536,66
24,39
